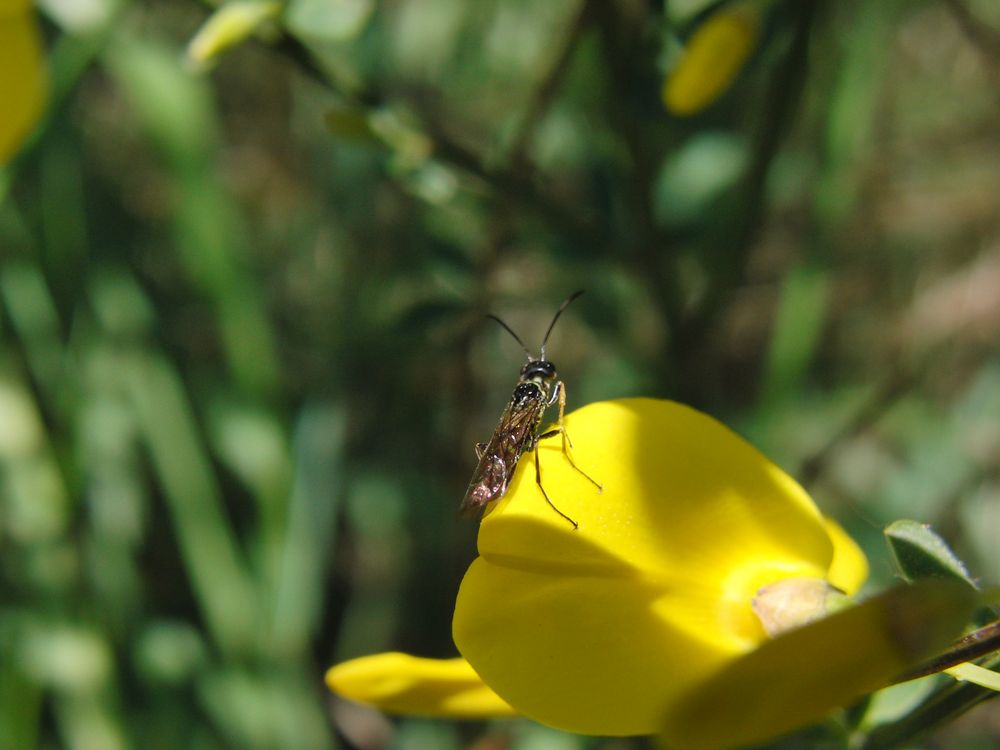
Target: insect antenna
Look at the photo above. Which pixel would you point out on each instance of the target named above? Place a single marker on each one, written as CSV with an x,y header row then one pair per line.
x,y
552,325
511,332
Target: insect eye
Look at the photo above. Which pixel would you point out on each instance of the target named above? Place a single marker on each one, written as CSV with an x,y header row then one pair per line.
x,y
539,368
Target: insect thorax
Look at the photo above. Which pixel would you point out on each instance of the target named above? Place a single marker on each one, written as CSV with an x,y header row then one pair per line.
x,y
527,393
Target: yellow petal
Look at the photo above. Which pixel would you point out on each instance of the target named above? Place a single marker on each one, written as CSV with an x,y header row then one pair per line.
x,y
23,83
596,630
403,684
798,677
849,568
712,59
14,8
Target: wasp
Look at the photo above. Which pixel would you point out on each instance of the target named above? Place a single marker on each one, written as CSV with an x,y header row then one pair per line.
x,y
517,432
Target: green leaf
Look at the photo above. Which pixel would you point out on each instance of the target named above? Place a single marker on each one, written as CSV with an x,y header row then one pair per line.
x,y
175,109
920,553
328,20
696,174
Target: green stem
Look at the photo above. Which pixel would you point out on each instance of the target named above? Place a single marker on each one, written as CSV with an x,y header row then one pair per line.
x,y
979,643
945,704
940,708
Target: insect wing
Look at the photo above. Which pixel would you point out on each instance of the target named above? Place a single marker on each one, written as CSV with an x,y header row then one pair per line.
x,y
511,438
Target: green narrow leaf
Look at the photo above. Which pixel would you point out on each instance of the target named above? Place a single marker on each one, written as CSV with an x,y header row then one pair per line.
x,y
31,307
225,592
156,402
88,721
174,108
797,328
20,698
212,238
853,102
320,436
35,503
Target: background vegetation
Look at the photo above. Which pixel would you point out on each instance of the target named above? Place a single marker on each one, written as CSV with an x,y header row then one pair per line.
x,y
243,353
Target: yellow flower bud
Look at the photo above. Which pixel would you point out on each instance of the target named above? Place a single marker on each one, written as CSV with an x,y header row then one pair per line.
x,y
712,59
230,25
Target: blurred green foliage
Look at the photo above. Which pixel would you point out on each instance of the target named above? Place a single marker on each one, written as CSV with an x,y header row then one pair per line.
x,y
243,358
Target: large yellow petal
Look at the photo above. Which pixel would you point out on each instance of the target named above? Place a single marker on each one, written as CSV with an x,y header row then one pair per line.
x,y
399,683
23,82
804,673
596,630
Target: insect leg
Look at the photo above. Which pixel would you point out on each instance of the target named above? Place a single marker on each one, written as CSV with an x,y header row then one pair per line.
x,y
561,392
480,450
538,481
567,444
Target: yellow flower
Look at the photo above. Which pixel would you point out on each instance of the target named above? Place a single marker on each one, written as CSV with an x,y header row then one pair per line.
x,y
23,83
711,60
645,616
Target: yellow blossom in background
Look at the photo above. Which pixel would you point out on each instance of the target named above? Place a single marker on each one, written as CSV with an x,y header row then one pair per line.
x,y
230,25
23,82
645,616
711,60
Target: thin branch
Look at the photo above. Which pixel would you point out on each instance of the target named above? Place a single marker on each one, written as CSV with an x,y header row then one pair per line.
x,y
782,97
651,247
979,643
985,38
515,186
939,709
545,92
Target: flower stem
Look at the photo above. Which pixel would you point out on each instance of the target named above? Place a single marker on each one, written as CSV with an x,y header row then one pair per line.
x,y
941,707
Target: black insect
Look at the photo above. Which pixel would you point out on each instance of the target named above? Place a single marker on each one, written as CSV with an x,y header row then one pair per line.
x,y
517,432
